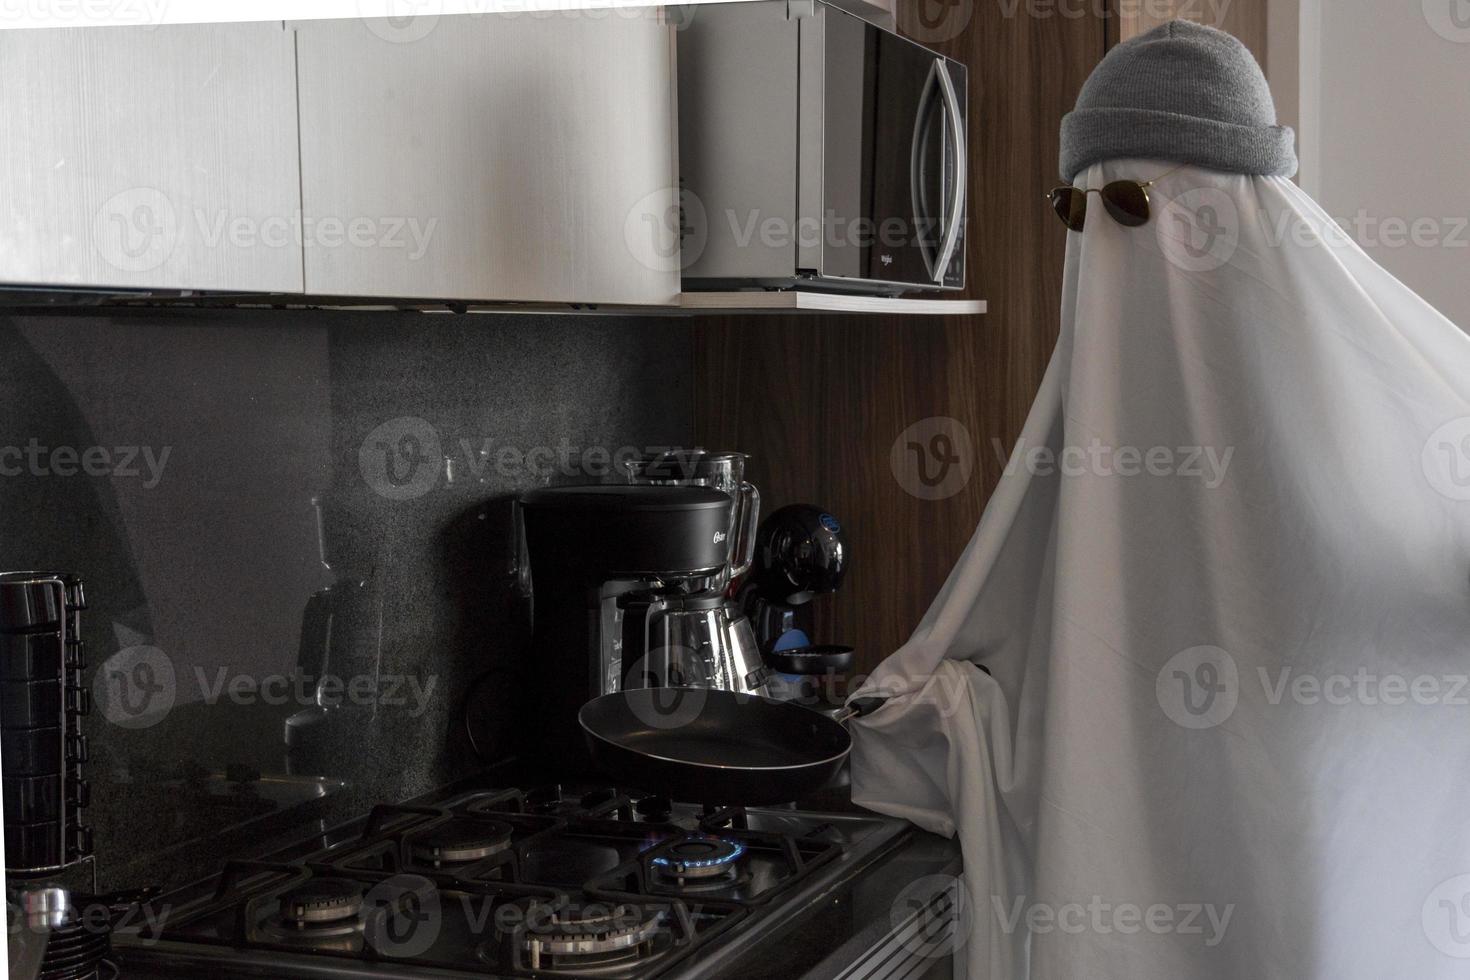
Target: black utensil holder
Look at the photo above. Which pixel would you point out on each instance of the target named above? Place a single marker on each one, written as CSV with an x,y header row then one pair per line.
x,y
42,702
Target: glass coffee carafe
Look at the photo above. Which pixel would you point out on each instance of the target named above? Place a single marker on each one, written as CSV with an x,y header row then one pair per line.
x,y
723,471
696,641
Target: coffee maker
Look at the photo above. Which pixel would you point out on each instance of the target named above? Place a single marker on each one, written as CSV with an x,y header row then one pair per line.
x,y
801,553
704,639
603,562
723,471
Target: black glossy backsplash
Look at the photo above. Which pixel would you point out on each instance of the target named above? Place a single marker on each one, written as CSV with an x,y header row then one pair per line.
x,y
178,462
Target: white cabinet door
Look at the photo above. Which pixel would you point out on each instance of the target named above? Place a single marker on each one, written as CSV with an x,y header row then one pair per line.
x,y
156,158
490,157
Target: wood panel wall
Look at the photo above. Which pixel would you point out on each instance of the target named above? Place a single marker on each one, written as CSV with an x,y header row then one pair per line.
x,y
820,401
1246,19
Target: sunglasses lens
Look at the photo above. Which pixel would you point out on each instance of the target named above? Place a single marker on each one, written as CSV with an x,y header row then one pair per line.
x,y
1070,205
1127,203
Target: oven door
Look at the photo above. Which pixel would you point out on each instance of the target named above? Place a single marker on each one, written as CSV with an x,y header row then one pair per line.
x,y
892,168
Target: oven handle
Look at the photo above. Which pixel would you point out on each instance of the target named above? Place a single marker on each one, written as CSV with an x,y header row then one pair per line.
x,y
956,132
916,193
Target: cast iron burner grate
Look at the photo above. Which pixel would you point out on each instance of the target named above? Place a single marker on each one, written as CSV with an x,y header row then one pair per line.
x,y
551,883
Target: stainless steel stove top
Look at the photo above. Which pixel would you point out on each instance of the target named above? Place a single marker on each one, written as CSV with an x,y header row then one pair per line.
x,y
547,883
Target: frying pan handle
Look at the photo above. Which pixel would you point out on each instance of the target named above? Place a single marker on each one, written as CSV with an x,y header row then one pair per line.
x,y
860,708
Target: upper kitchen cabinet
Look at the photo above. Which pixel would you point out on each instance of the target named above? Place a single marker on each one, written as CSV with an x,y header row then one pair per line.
x,y
491,157
154,158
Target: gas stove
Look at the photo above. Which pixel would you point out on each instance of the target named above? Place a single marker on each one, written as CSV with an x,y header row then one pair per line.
x,y
548,883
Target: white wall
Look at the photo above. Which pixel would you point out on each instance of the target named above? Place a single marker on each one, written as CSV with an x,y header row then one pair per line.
x,y
1385,134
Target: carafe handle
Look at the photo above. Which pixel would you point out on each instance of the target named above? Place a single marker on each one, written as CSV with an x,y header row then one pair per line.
x,y
750,516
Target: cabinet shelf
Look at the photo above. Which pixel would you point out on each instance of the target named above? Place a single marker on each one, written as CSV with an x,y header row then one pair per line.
x,y
686,304
795,301
724,303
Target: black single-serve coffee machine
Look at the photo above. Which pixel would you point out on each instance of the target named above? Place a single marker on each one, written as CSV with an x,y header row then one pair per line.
x,y
801,553
600,557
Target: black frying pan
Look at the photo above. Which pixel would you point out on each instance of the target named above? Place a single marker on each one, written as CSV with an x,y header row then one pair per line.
x,y
705,746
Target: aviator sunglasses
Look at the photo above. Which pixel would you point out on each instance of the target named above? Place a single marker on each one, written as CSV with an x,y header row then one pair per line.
x,y
1126,200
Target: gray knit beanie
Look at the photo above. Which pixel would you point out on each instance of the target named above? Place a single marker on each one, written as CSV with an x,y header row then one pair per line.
x,y
1184,93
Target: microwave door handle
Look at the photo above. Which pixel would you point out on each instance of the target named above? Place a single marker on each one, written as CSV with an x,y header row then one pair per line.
x,y
955,131
916,176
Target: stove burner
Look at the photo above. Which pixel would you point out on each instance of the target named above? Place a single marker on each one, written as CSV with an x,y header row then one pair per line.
x,y
578,934
459,842
699,859
321,901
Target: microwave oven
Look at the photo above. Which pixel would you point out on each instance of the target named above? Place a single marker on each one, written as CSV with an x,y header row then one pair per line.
x,y
817,151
